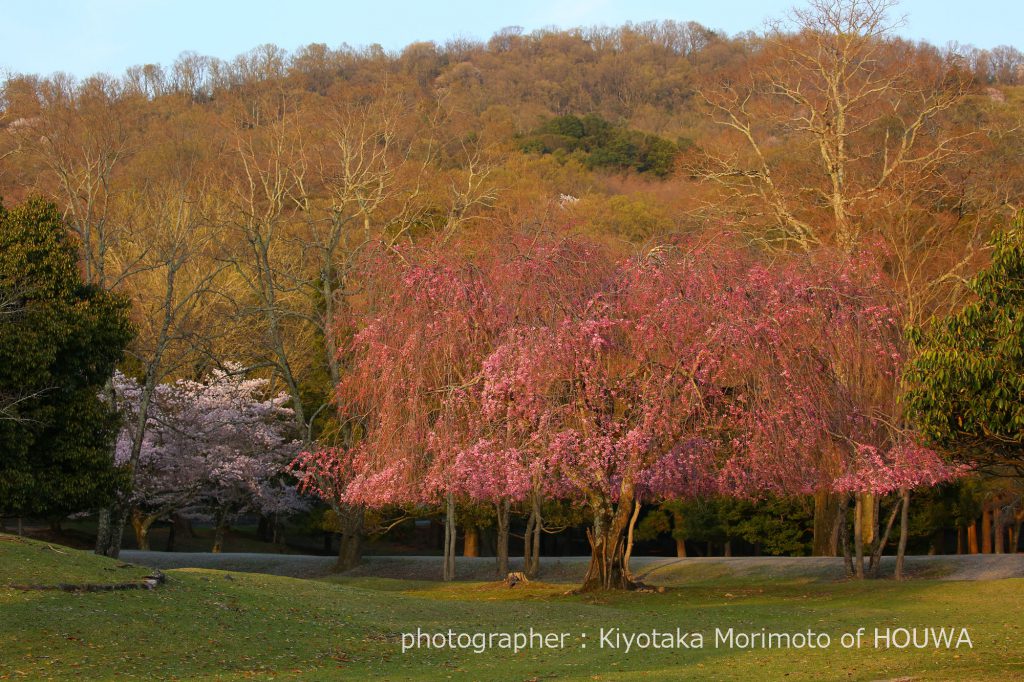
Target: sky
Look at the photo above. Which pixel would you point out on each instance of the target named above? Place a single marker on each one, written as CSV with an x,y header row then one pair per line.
x,y
82,37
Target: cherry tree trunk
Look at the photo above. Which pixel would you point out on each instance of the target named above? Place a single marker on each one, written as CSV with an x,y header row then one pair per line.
x,y
826,523
141,524
901,551
471,541
448,570
858,535
677,527
972,537
878,548
218,533
531,539
501,551
350,547
844,534
607,569
869,520
629,533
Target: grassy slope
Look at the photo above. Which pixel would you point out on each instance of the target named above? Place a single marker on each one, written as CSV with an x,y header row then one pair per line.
x,y
27,562
215,625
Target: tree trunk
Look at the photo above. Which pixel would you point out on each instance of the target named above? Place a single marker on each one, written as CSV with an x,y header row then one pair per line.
x,y
276,531
681,548
102,531
531,540
875,564
171,533
629,534
998,531
858,535
1018,522
844,535
448,572
471,541
901,551
218,533
141,524
938,545
112,534
826,523
501,551
986,530
350,547
21,526
869,522
677,529
607,569
531,521
972,537
960,539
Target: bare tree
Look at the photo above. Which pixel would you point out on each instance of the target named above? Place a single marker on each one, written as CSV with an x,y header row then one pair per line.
x,y
826,115
172,252
83,136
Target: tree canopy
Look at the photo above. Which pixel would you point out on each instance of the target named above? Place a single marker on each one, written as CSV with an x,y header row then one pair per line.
x,y
966,386
59,342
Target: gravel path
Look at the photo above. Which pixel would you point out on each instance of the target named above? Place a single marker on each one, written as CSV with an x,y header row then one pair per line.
x,y
653,570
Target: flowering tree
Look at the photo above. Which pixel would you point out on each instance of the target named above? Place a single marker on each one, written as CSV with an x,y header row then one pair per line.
x,y
326,474
905,466
414,395
820,410
212,449
625,398
689,371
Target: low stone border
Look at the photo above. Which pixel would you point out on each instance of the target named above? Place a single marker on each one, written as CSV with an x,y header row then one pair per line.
x,y
149,582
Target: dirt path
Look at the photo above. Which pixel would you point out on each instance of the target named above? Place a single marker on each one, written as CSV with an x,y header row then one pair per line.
x,y
653,570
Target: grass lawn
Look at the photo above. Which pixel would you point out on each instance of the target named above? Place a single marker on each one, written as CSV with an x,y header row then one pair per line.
x,y
213,625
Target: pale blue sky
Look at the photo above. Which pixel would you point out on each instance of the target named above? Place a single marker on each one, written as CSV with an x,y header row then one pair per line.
x,y
86,36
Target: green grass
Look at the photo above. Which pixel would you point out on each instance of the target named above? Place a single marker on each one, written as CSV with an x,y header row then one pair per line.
x,y
27,562
212,625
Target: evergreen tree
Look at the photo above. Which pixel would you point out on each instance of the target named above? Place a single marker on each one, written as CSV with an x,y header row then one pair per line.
x,y
59,342
966,387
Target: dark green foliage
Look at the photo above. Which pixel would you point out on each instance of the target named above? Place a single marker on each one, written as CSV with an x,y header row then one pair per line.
x,y
600,144
59,342
776,525
948,507
965,389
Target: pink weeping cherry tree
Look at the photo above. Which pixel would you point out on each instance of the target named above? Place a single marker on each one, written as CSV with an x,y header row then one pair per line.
x,y
414,394
626,396
520,375
820,411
